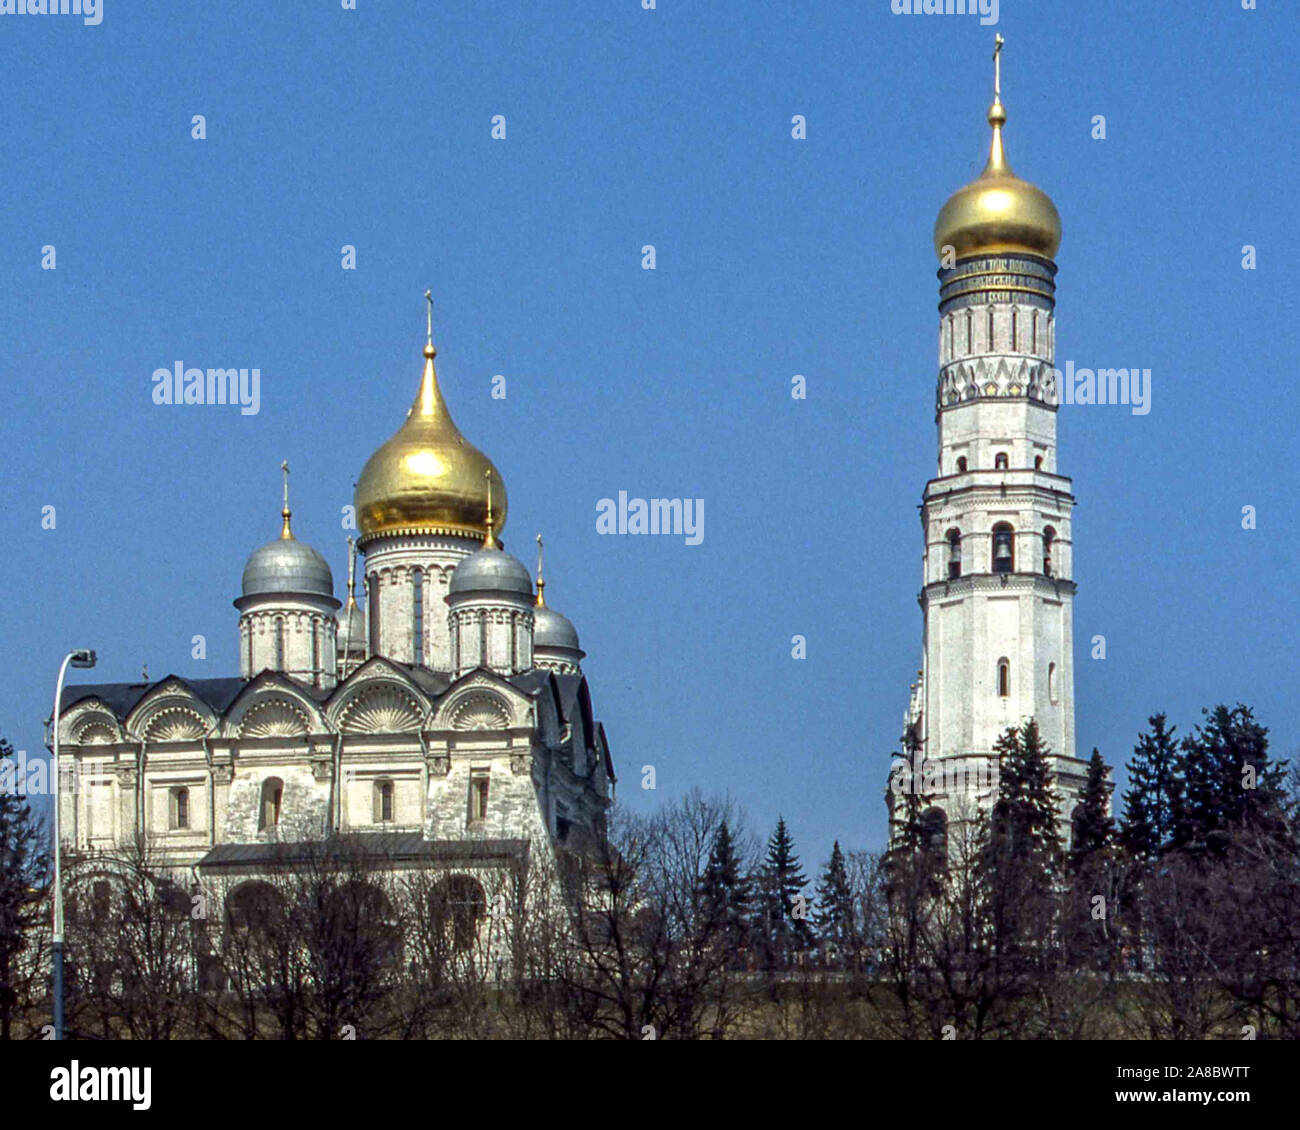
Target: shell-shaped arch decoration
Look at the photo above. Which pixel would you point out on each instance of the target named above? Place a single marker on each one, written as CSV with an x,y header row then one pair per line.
x,y
95,729
480,711
381,709
174,724
273,718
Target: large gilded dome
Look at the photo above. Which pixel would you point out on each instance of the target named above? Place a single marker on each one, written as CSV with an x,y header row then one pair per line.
x,y
998,212
428,478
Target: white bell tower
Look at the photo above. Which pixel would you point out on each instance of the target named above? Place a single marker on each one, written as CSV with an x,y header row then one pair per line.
x,y
998,584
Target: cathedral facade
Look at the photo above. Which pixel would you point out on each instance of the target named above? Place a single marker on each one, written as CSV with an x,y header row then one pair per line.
x,y
444,721
997,594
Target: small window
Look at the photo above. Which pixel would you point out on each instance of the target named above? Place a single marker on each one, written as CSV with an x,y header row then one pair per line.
x,y
1038,462
272,795
1049,538
1000,461
478,798
1051,683
961,464
383,802
1004,678
372,592
279,645
954,554
1004,548
180,809
417,618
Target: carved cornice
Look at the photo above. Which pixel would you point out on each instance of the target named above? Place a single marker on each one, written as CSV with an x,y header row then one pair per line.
x,y
991,584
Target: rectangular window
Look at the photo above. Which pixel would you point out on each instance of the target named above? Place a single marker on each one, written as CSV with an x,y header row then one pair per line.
x,y
478,797
180,809
383,802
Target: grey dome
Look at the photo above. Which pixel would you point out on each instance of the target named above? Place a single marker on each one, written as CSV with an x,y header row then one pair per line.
x,y
551,630
490,570
286,565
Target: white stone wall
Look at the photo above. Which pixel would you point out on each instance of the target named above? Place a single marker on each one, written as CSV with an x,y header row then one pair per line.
x,y
309,632
493,631
391,564
991,357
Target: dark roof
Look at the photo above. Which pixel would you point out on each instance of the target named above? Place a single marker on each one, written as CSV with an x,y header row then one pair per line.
x,y
121,698
385,846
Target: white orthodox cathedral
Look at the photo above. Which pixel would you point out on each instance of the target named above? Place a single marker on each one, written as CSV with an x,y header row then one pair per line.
x,y
998,588
447,723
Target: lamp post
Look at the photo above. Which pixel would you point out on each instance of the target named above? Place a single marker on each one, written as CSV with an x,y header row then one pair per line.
x,y
82,657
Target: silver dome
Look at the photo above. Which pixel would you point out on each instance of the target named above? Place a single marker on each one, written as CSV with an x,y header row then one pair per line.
x,y
551,630
286,565
490,570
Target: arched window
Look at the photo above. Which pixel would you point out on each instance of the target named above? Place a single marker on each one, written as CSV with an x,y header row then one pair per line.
x,y
1000,461
1049,536
1004,678
1076,823
1038,462
372,591
279,644
272,795
1004,548
1052,693
255,907
180,809
954,554
961,464
417,618
383,802
315,649
934,833
459,904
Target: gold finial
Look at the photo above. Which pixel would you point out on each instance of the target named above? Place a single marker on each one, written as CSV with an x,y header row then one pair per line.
x,y
285,534
488,540
997,163
541,583
429,351
352,572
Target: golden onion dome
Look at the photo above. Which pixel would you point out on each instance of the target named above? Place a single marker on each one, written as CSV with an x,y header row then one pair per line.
x,y
428,478
998,212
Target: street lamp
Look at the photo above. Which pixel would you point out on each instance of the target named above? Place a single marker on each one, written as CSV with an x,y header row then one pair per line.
x,y
83,657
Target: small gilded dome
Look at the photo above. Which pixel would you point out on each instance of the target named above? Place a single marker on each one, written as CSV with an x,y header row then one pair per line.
x,y
287,565
551,631
998,212
490,570
428,478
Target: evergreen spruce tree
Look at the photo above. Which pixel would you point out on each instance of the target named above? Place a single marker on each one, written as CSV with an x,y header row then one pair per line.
x,y
24,865
834,915
781,879
1154,801
1093,827
1024,819
725,893
1230,783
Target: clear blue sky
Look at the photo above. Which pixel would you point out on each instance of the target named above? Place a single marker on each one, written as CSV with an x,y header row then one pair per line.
x,y
775,257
